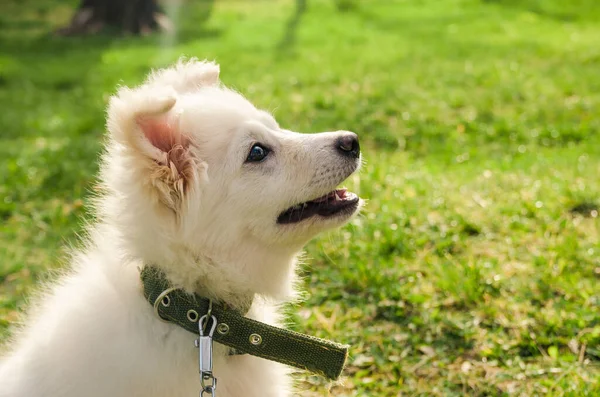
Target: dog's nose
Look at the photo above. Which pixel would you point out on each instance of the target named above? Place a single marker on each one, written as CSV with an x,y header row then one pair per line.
x,y
348,145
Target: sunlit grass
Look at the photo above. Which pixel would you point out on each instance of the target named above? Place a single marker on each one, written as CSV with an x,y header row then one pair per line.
x,y
474,267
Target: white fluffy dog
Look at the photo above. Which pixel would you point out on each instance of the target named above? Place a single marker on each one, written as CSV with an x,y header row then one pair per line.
x,y
203,185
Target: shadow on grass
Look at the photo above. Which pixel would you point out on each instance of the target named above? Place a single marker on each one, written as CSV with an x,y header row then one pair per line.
x,y
53,90
289,37
49,71
555,9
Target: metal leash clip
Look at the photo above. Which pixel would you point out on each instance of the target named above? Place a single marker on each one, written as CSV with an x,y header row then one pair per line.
x,y
205,355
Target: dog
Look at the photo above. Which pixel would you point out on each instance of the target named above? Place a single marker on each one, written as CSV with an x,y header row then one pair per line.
x,y
198,182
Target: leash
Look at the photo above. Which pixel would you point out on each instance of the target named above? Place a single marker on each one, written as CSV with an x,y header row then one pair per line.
x,y
229,327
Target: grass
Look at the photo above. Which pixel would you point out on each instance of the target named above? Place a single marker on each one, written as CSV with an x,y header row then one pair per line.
x,y
475,268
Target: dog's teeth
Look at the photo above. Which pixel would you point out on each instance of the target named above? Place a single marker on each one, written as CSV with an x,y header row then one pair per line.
x,y
297,207
304,205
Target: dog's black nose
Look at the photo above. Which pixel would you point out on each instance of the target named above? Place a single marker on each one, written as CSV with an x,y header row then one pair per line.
x,y
348,145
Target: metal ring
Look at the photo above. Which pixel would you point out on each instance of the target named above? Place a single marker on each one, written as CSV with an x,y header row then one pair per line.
x,y
211,388
203,322
255,339
193,313
159,300
223,329
207,315
209,312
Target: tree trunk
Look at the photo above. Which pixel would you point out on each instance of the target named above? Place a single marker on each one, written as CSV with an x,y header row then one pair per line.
x,y
138,17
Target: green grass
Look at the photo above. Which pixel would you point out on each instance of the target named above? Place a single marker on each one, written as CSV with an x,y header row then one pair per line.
x,y
475,267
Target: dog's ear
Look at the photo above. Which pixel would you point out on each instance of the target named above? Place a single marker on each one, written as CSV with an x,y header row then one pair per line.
x,y
187,75
145,123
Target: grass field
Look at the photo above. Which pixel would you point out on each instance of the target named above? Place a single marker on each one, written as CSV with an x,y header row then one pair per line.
x,y
475,267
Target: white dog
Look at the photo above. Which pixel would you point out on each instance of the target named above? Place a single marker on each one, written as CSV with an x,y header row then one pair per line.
x,y
210,190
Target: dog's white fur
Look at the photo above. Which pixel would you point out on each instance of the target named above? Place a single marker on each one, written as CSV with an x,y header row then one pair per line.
x,y
178,194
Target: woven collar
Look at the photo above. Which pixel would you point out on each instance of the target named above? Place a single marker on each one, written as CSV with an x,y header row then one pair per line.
x,y
240,333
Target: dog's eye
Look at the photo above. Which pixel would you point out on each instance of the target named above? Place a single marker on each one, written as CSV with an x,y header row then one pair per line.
x,y
257,153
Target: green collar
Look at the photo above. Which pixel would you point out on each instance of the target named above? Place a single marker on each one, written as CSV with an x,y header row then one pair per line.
x,y
243,334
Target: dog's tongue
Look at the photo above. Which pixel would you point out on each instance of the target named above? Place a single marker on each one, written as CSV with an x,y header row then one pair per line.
x,y
340,193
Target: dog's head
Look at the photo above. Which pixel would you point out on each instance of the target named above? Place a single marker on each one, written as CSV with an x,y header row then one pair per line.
x,y
197,166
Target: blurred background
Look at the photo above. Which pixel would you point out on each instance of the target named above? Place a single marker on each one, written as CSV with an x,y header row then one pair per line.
x,y
473,270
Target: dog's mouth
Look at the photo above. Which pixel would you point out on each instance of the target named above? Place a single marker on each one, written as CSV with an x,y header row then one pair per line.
x,y
337,202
